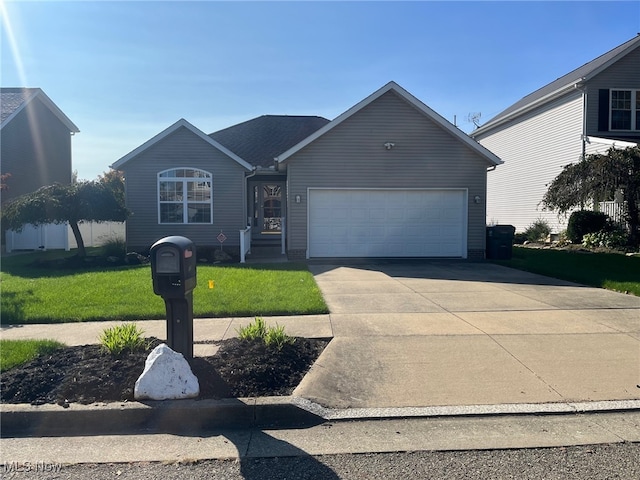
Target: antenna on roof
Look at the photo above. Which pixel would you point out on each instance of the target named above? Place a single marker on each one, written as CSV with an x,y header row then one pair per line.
x,y
474,117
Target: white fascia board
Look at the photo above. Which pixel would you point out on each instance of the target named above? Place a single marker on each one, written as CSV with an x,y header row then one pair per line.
x,y
571,85
49,104
493,159
635,44
448,126
611,142
168,131
334,123
526,108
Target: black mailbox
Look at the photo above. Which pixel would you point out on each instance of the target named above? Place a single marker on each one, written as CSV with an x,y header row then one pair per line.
x,y
173,270
173,266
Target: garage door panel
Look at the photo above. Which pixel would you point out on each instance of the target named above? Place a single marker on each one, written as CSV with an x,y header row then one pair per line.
x,y
394,223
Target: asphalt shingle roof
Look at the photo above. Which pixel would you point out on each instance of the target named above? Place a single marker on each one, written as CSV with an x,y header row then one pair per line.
x,y
259,140
12,98
572,77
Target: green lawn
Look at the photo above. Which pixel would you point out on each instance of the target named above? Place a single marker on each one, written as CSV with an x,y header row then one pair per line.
x,y
17,352
606,270
36,295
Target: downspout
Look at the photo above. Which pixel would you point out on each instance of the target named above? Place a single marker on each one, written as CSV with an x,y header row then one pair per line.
x,y
583,89
246,184
583,153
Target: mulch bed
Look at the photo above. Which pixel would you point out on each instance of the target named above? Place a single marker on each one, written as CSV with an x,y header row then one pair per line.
x,y
88,374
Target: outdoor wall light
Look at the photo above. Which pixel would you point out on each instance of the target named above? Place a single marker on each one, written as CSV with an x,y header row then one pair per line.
x,y
476,199
298,199
389,145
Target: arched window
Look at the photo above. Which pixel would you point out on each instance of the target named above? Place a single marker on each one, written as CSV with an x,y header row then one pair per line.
x,y
185,195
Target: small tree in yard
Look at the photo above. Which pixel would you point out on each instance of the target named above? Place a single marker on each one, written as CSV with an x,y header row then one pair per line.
x,y
84,201
598,177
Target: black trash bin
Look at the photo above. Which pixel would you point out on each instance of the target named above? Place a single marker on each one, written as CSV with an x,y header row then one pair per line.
x,y
500,241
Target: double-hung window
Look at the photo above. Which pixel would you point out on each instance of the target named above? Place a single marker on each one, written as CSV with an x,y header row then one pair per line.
x,y
185,196
625,109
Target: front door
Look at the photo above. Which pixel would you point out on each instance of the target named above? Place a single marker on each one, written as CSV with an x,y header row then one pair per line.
x,y
268,209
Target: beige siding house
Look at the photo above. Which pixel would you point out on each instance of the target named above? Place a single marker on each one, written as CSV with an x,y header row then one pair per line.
x,y
589,110
387,178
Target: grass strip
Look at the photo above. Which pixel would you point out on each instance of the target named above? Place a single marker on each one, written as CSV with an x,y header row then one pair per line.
x,y
36,295
612,271
17,352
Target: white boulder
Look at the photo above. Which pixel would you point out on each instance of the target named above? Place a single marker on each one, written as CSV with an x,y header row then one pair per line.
x,y
166,376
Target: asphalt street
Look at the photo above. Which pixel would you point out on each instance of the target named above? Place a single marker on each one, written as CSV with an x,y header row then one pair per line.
x,y
593,462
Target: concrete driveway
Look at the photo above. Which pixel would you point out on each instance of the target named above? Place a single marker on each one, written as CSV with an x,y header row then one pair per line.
x,y
458,333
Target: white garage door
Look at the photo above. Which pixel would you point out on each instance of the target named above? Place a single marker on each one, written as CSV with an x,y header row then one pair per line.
x,y
387,223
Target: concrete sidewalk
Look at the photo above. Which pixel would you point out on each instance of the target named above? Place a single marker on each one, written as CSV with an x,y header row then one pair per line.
x,y
433,339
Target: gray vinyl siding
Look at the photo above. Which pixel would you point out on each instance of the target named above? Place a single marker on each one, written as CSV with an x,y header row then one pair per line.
x,y
35,161
183,149
352,155
624,74
534,149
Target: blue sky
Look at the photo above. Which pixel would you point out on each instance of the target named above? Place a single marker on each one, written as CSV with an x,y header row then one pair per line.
x,y
123,71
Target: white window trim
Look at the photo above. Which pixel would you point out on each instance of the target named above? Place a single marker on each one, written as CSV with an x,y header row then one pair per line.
x,y
185,201
635,93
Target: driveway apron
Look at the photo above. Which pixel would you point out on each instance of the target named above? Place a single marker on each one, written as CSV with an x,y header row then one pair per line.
x,y
447,333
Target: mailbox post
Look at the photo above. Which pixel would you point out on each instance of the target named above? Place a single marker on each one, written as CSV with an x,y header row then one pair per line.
x,y
173,269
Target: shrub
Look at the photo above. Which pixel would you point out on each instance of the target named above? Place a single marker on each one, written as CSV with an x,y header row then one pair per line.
x,y
538,230
519,238
582,222
605,239
114,247
271,336
276,337
126,337
254,331
563,239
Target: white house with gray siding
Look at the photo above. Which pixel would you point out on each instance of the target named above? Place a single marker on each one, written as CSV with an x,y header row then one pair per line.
x,y
387,178
587,111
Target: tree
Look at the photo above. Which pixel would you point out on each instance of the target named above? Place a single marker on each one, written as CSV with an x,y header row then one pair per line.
x,y
598,177
84,201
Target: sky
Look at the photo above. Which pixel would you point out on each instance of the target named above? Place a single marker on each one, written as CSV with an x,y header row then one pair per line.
x,y
123,71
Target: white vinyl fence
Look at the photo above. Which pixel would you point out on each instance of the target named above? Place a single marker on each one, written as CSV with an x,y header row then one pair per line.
x,y
60,237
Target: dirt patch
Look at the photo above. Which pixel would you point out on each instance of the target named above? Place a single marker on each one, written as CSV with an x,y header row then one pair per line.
x,y
88,374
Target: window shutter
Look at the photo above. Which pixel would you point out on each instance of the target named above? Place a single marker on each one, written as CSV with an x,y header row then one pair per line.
x,y
603,111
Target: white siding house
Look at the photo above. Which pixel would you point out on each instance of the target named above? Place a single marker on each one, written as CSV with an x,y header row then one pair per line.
x,y
553,127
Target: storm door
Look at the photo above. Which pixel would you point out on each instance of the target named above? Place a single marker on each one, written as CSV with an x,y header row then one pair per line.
x,y
268,208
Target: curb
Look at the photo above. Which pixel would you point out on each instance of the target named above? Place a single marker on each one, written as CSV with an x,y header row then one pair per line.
x,y
168,416
189,417
558,408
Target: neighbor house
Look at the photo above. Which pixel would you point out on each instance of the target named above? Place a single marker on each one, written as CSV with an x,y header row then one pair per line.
x,y
387,178
586,111
35,139
35,150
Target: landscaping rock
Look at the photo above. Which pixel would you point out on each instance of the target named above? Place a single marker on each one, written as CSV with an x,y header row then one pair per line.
x,y
166,376
134,258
